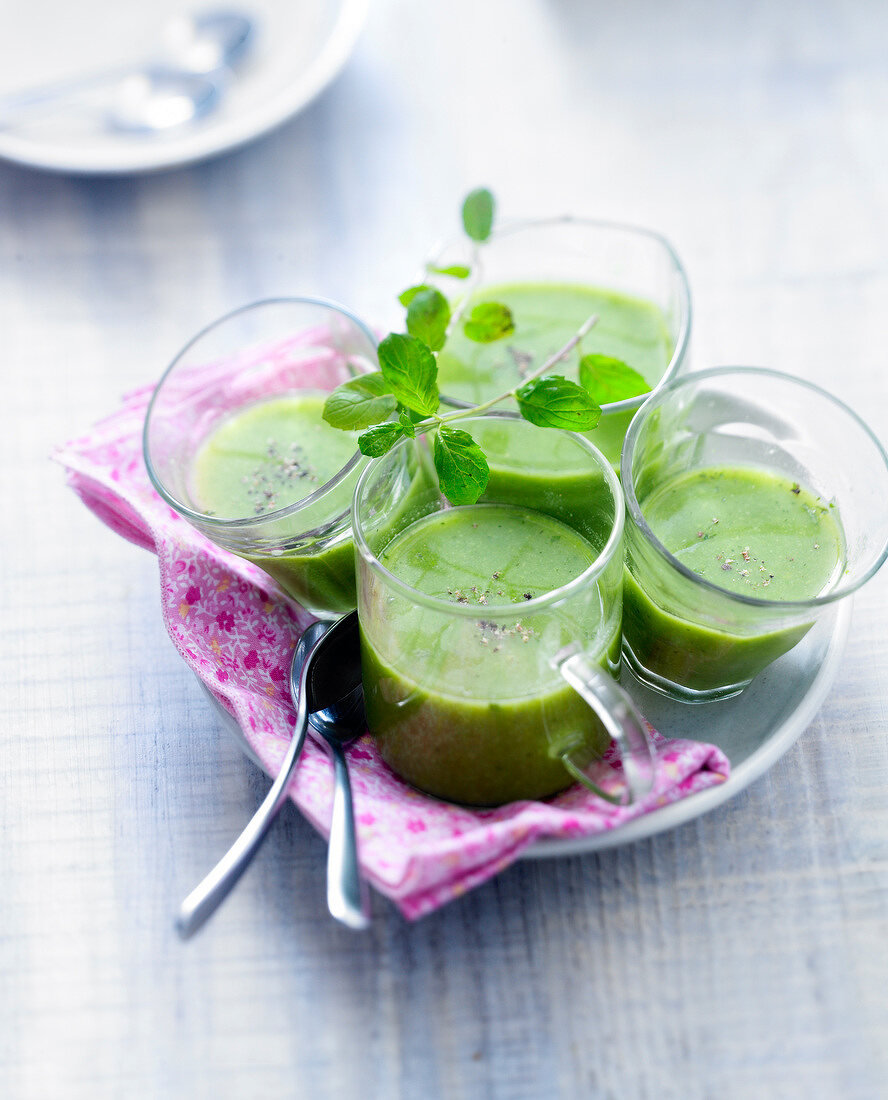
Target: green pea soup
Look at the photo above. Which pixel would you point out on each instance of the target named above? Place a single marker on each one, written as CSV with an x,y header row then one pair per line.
x,y
546,316
747,531
268,456
467,707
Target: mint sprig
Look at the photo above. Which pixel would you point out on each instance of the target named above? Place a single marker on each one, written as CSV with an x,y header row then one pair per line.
x,y
407,296
380,440
428,315
455,271
477,214
410,371
556,402
401,399
460,464
608,379
489,321
361,402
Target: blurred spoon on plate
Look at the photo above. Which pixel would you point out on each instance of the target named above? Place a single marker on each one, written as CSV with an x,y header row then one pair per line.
x,y
184,82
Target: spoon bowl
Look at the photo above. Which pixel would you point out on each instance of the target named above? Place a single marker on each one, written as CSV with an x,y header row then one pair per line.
x,y
208,41
157,99
336,685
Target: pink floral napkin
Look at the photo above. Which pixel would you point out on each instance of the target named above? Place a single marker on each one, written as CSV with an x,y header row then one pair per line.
x,y
236,631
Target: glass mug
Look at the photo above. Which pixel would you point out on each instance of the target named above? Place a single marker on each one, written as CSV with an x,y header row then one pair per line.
x,y
554,273
490,633
755,501
235,443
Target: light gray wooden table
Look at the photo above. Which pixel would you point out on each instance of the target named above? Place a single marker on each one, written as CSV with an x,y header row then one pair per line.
x,y
743,955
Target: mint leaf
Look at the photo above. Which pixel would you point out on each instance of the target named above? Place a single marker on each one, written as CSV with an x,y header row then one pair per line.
x,y
489,321
456,271
462,468
608,379
407,296
477,214
360,402
554,402
409,368
428,316
380,440
405,419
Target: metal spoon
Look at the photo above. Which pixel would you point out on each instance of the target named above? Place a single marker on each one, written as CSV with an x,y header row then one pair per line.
x,y
336,675
181,85
206,898
158,99
207,42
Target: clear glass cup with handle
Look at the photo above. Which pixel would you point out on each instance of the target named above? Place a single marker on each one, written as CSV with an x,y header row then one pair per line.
x,y
755,501
490,633
235,443
554,273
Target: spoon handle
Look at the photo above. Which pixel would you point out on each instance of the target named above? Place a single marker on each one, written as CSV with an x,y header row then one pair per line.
x,y
348,898
209,894
48,95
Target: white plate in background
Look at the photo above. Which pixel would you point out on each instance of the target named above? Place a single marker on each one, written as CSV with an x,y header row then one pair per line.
x,y
299,47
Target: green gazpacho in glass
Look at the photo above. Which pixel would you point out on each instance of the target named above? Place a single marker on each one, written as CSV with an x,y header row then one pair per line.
x,y
471,614
755,503
481,689
554,274
748,531
235,443
546,316
268,456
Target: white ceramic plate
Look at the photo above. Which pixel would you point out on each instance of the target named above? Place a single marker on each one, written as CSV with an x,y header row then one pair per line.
x,y
299,47
753,729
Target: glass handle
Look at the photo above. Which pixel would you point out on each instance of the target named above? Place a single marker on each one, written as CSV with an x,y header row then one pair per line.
x,y
623,722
